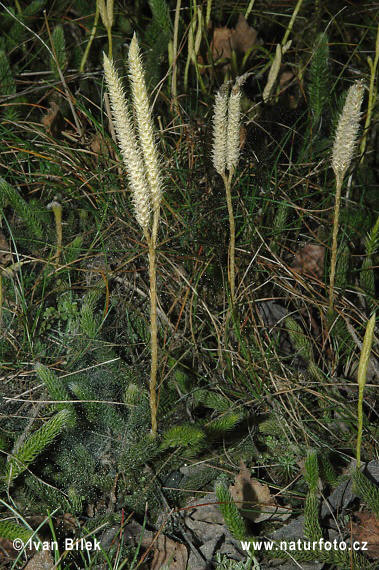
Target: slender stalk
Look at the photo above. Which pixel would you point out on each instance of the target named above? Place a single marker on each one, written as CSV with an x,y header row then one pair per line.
x,y
57,209
106,13
91,38
362,375
175,55
154,333
291,22
232,238
208,13
249,8
109,32
153,321
372,93
190,42
1,300
154,231
333,261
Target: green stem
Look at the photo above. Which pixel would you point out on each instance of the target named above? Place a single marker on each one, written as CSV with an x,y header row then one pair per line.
x,y
249,8
154,232
291,22
362,375
154,333
372,93
232,239
57,210
109,32
91,38
333,261
1,300
175,55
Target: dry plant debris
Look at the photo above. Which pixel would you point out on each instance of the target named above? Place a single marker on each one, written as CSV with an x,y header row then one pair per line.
x,y
366,529
255,500
242,38
164,549
309,260
42,560
5,252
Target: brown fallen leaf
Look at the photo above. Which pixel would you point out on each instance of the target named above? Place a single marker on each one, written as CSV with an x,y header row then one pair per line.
x,y
169,553
5,253
310,260
42,560
220,45
285,77
367,530
244,37
68,522
166,551
7,551
51,119
254,499
99,145
201,65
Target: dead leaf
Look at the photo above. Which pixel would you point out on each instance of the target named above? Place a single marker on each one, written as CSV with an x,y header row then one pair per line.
x,y
6,549
169,553
243,135
310,260
5,253
42,560
285,77
166,551
254,499
244,37
68,521
51,120
201,66
220,45
99,145
367,530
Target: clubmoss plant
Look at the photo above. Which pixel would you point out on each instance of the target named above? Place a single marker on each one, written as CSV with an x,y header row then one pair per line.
x,y
345,142
366,490
229,510
59,59
367,274
7,86
158,40
319,88
226,149
312,528
12,530
362,376
140,156
36,444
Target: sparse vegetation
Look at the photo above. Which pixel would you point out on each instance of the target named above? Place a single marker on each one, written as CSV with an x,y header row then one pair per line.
x,y
166,351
